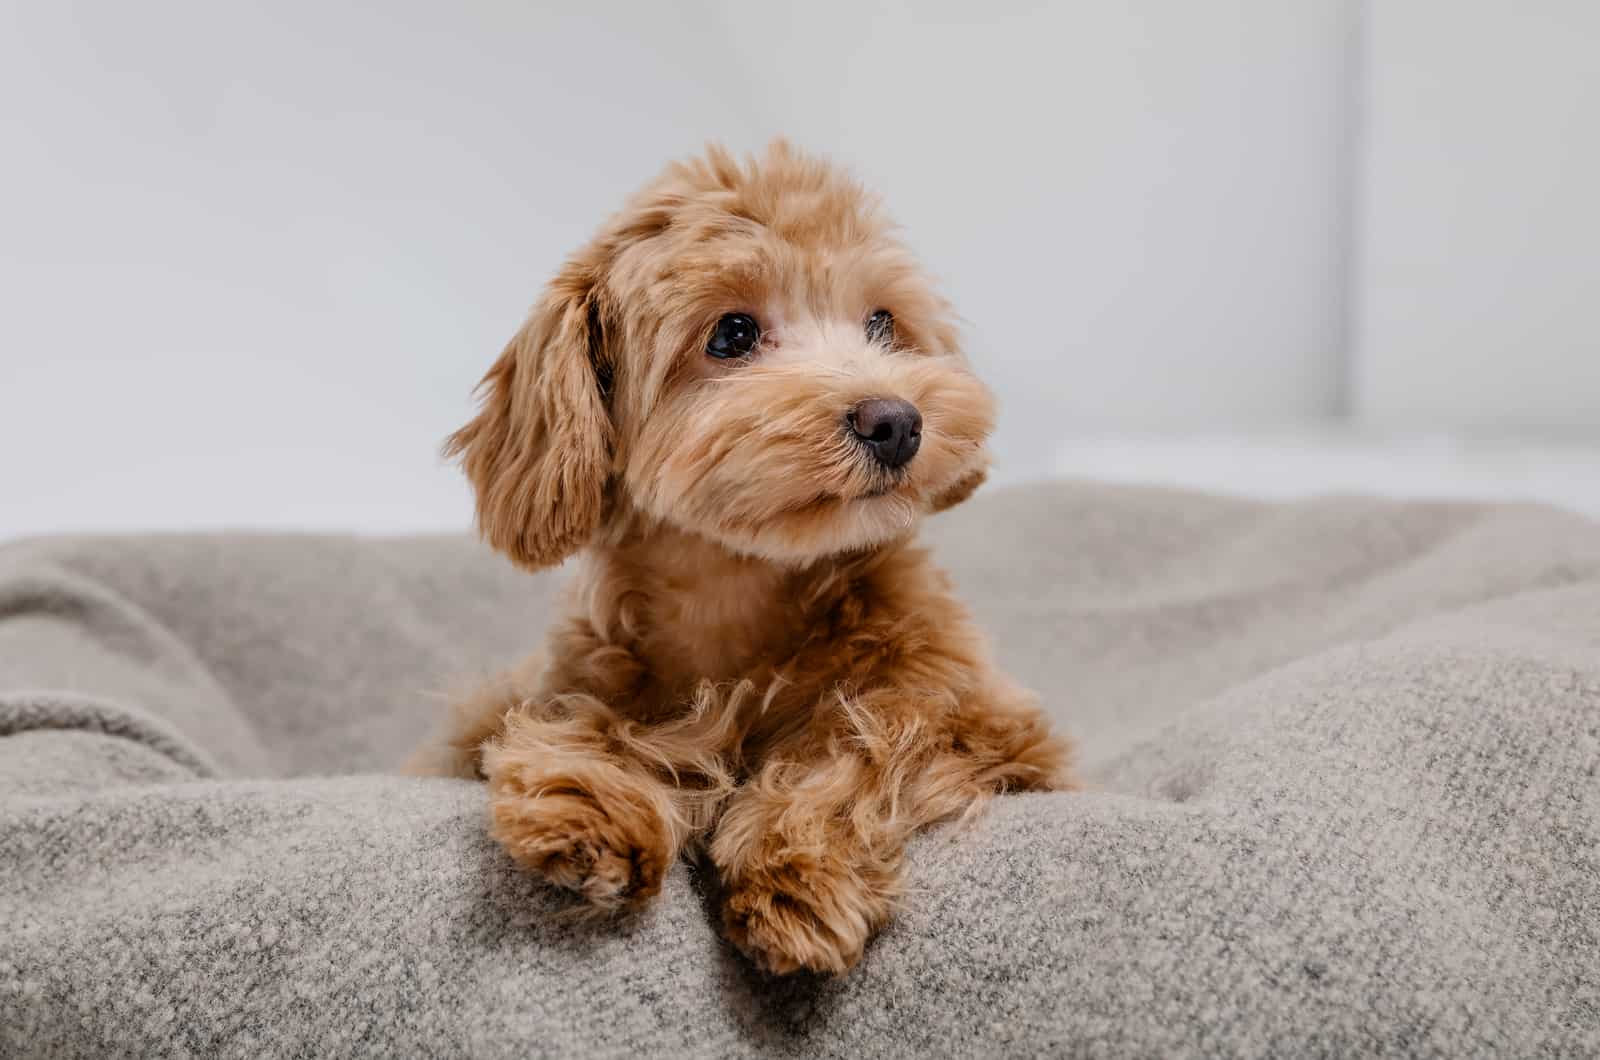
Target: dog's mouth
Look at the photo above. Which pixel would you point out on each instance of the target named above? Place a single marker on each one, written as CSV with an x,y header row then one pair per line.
x,y
880,481
882,488
838,517
826,502
884,484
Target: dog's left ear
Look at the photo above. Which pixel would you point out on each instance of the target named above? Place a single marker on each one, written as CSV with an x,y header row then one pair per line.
x,y
946,338
539,451
964,487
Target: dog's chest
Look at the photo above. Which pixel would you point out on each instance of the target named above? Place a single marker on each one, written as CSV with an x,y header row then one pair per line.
x,y
720,637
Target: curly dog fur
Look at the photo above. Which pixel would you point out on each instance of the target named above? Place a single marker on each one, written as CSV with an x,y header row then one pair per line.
x,y
755,656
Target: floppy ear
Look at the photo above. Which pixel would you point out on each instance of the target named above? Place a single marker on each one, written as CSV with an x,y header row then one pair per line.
x,y
539,451
946,338
963,488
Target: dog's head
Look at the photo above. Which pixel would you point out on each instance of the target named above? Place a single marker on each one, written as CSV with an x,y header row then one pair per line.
x,y
746,353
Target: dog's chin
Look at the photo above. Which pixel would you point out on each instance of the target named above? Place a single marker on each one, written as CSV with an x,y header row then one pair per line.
x,y
825,527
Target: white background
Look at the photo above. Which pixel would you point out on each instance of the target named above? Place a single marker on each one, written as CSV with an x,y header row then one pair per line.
x,y
256,254
1480,265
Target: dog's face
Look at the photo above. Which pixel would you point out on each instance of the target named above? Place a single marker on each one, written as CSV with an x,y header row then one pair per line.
x,y
744,353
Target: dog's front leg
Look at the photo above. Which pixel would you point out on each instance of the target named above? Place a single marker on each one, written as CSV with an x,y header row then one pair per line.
x,y
575,803
809,870
809,849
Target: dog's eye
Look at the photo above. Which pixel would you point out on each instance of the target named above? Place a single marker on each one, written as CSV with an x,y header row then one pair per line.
x,y
734,336
880,327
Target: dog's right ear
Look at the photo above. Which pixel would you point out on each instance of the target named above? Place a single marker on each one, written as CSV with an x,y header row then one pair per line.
x,y
539,451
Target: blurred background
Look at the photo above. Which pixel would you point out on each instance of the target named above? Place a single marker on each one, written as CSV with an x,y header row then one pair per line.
x,y
257,254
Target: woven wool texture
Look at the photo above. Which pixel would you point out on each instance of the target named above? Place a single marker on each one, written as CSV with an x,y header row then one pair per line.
x,y
1344,766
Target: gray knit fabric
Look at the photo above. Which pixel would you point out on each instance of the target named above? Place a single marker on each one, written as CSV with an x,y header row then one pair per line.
x,y
1345,801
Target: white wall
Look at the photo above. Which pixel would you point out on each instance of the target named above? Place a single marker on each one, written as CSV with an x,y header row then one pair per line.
x,y
258,252
1479,297
1137,203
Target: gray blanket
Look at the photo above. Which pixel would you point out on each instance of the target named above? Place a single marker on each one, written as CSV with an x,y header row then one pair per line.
x,y
1344,800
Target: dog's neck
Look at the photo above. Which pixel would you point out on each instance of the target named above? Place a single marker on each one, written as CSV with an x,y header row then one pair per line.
x,y
694,610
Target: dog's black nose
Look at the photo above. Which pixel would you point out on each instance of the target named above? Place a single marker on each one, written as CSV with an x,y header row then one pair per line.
x,y
889,427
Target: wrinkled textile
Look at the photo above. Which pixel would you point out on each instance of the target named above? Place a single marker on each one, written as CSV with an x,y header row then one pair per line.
x,y
1343,756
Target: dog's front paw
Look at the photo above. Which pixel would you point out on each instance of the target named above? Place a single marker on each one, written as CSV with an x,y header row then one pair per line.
x,y
804,912
611,854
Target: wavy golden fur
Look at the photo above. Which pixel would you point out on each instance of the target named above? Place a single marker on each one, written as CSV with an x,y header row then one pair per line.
x,y
755,657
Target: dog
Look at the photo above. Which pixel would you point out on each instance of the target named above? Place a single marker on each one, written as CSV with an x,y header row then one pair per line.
x,y
738,402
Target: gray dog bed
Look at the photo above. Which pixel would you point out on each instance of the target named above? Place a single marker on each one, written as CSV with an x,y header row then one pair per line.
x,y
1344,799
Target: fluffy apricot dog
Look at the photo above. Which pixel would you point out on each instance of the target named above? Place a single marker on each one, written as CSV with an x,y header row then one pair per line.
x,y
738,402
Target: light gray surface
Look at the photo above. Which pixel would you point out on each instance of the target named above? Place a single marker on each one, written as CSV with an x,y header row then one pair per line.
x,y
1346,757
